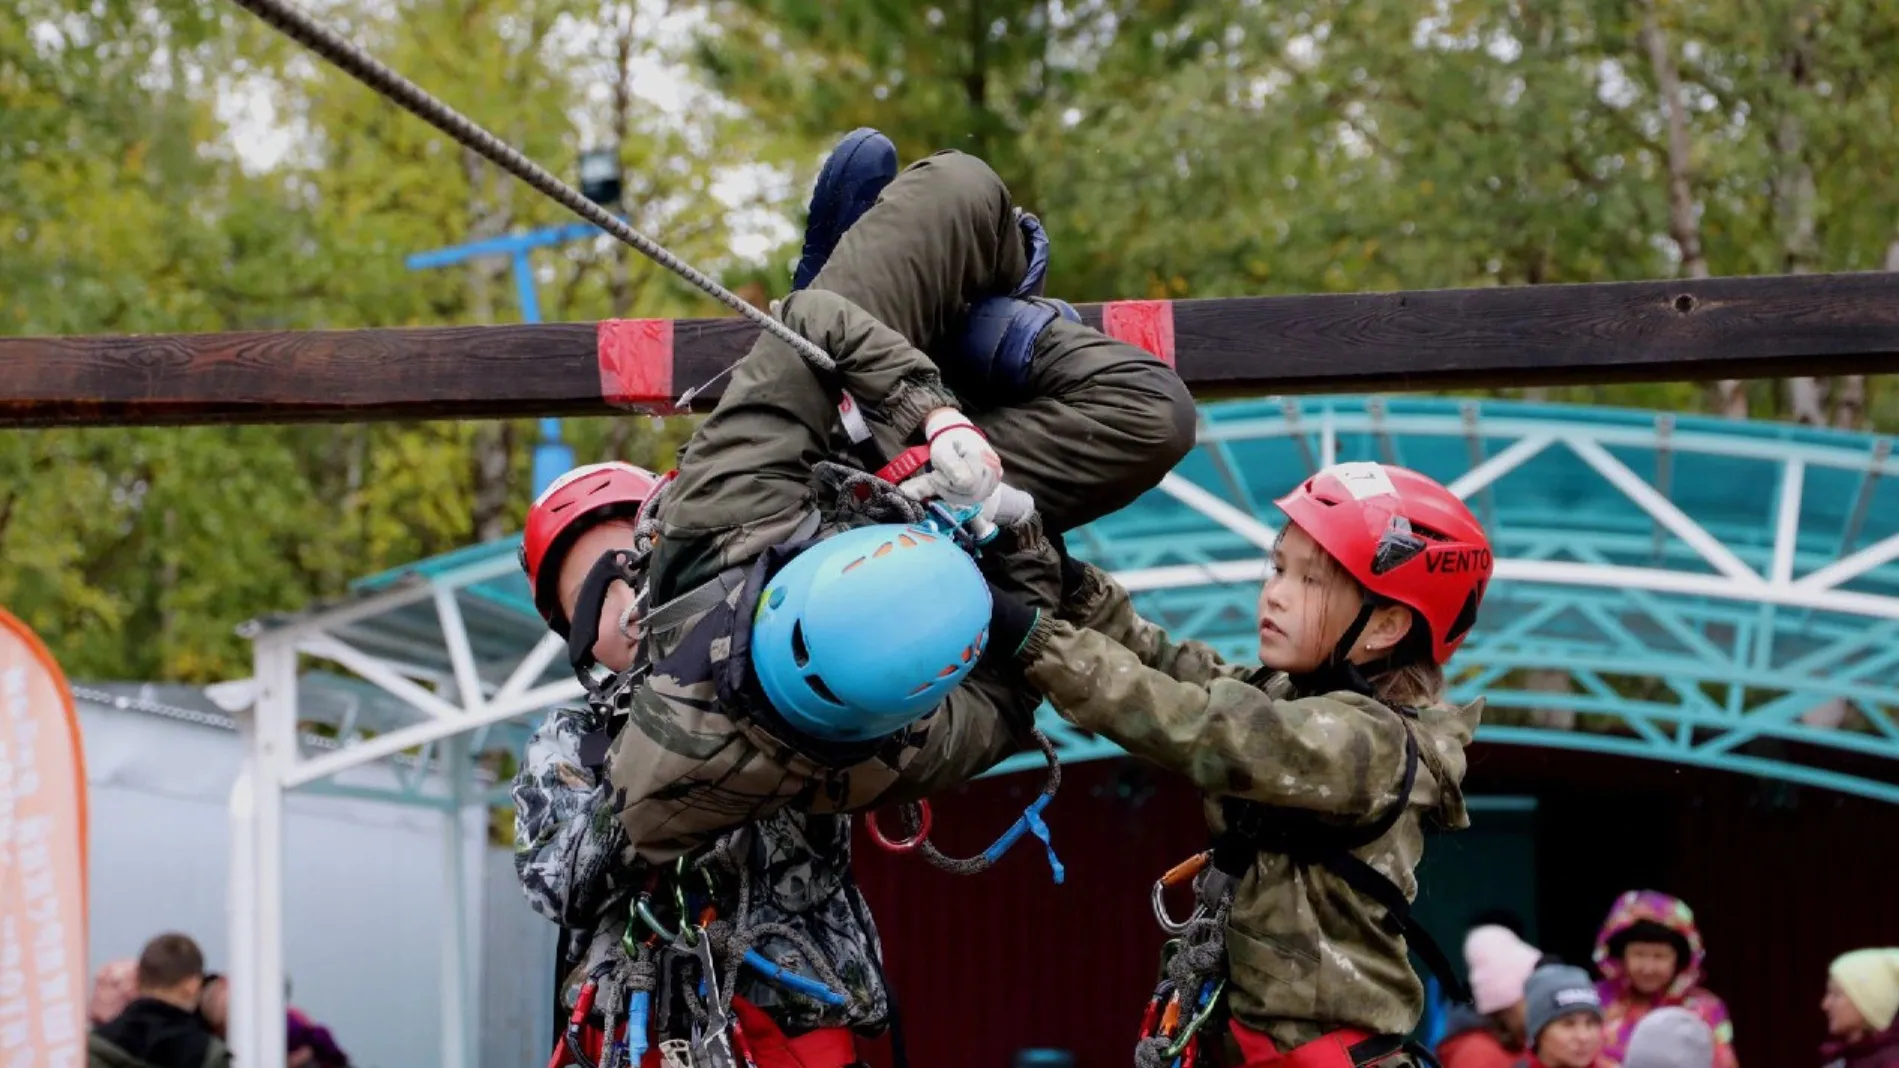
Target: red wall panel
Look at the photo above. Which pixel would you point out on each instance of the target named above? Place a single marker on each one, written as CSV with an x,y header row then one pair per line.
x,y
1781,879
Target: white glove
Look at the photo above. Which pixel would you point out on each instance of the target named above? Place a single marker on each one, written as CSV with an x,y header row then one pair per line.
x,y
1008,506
964,470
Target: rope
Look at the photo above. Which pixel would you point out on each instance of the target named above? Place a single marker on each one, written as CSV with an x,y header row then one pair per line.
x,y
732,938
911,819
358,64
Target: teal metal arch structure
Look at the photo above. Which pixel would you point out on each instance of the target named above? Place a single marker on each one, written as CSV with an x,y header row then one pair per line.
x,y
1706,592
1701,591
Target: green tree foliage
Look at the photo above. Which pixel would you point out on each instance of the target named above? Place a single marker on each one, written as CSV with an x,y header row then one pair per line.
x,y
1181,148
128,207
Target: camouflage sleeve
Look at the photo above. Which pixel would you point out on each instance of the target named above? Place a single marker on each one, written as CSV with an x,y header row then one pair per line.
x,y
745,477
1338,754
566,843
982,721
988,717
1100,604
685,768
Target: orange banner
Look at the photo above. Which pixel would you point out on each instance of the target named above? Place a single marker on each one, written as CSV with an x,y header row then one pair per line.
x,y
42,859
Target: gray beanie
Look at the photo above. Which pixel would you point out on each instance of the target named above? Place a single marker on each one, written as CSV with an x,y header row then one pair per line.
x,y
1555,991
1671,1038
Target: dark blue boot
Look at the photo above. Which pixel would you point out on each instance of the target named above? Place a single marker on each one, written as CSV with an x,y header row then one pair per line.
x,y
1035,242
857,170
999,333
999,338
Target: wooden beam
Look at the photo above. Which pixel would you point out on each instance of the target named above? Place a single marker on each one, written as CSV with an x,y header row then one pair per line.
x,y
1519,336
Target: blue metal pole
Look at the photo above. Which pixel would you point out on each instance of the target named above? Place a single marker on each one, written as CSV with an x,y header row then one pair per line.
x,y
552,456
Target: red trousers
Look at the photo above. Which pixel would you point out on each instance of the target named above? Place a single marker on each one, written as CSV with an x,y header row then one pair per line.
x,y
1329,1051
833,1047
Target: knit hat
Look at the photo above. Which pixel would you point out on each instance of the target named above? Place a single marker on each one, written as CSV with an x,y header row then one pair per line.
x,y
1672,1037
1499,963
1870,978
1555,991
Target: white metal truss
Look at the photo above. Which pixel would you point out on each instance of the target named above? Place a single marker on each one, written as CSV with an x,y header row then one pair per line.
x,y
1749,624
454,712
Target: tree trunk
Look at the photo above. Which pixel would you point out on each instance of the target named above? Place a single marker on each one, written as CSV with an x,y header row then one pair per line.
x,y
1728,396
1794,199
620,271
1684,215
491,446
1553,681
976,78
493,455
168,590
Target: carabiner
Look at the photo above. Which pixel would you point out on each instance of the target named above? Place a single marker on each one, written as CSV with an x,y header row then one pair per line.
x,y
902,845
1185,871
684,937
1209,997
1166,919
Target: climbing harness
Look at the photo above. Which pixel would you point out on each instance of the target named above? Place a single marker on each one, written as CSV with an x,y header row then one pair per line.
x,y
1193,969
1194,960
669,984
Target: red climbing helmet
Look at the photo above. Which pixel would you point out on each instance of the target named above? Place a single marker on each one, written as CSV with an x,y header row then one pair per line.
x,y
576,500
1404,537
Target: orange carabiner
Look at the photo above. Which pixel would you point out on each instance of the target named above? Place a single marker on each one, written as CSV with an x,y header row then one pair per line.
x,y
1186,869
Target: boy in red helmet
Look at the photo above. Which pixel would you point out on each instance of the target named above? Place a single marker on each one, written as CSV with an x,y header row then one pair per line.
x,y
569,849
1321,765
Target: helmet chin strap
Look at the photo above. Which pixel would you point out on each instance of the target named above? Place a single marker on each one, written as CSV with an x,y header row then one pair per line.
x,y
1338,672
614,565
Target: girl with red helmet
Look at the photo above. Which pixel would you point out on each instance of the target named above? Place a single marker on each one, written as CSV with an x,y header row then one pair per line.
x,y
1321,765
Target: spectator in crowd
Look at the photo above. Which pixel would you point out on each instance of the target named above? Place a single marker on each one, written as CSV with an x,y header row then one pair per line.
x,y
1861,1003
311,1044
214,1005
1650,955
1671,1037
160,1028
112,990
1490,1032
308,1044
1563,1013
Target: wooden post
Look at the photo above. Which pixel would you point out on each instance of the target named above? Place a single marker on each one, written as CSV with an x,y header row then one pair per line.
x,y
1519,336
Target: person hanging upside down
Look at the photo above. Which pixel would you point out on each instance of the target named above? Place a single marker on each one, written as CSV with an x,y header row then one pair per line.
x,y
1321,765
849,679
568,845
802,856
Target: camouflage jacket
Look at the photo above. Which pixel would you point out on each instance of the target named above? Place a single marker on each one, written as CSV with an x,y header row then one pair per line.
x,y
695,759
568,853
1305,953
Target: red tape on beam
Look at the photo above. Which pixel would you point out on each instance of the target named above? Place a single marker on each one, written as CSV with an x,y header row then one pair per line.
x,y
1147,323
636,361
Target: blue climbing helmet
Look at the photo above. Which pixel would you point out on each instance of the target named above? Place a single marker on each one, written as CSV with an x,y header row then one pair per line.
x,y
864,632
